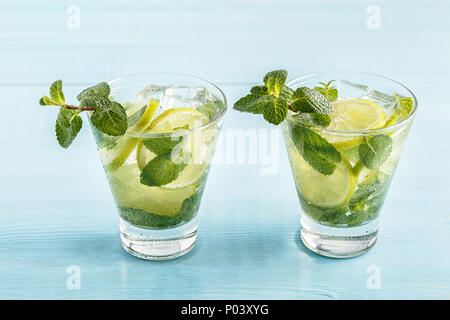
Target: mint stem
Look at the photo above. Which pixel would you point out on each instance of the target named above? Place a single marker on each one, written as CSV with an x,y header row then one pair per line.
x,y
68,106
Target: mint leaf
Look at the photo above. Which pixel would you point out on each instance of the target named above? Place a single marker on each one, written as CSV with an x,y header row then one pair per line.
x,y
309,100
317,152
251,103
141,218
404,105
161,145
68,124
331,216
208,109
322,120
330,92
101,88
46,101
375,151
259,91
366,202
286,94
274,110
190,205
274,81
109,116
161,170
56,92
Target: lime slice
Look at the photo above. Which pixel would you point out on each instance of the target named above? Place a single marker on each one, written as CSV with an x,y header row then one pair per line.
x,y
354,115
147,116
175,118
128,144
129,192
324,191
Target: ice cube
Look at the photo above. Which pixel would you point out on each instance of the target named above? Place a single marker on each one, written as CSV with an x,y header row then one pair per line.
x,y
185,97
151,91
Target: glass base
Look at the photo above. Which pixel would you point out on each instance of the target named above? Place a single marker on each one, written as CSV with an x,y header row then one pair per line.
x,y
338,242
166,244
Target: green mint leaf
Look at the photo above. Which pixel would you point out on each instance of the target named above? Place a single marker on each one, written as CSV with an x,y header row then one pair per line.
x,y
190,206
286,94
319,119
161,170
330,92
109,116
161,145
309,100
366,202
68,124
56,92
259,91
251,103
46,101
99,89
208,109
141,218
404,105
274,110
274,81
317,152
331,216
375,151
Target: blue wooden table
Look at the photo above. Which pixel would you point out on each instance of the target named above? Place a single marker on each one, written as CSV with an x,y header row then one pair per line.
x,y
57,217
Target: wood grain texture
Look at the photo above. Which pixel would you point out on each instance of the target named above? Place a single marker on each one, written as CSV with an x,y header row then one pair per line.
x,y
55,206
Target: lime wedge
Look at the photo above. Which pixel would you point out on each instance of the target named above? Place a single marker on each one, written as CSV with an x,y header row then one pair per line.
x,y
173,119
354,115
324,191
129,192
128,144
147,116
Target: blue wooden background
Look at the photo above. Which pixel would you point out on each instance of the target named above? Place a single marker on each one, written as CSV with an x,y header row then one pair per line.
x,y
55,207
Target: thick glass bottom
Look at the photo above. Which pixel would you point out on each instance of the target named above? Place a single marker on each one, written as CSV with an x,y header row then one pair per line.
x,y
163,244
338,242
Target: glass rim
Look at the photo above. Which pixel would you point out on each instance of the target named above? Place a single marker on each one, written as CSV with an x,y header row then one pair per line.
x,y
392,127
208,124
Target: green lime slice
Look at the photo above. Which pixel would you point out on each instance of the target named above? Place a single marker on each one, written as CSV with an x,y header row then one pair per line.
x,y
320,190
129,192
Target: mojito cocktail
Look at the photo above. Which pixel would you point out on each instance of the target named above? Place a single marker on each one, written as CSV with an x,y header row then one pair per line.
x,y
344,134
343,176
158,169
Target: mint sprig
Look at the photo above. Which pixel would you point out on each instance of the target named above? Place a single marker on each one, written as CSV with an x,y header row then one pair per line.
x,y
308,100
108,116
161,170
161,145
328,90
375,151
68,124
274,81
317,151
274,99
